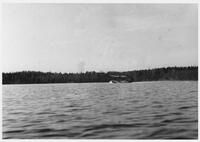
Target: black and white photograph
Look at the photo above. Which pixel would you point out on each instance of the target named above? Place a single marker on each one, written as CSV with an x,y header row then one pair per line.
x,y
116,71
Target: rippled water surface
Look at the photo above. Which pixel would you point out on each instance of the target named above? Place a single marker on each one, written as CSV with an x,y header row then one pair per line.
x,y
141,110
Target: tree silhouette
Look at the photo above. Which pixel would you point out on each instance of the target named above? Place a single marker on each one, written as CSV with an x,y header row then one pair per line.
x,y
169,73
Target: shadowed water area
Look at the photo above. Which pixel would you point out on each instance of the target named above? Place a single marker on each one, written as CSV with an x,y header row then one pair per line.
x,y
140,110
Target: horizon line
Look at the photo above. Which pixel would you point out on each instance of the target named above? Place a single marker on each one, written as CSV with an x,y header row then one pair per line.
x,y
101,71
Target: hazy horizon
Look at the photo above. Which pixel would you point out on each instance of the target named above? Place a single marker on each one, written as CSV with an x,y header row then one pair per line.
x,y
100,71
98,37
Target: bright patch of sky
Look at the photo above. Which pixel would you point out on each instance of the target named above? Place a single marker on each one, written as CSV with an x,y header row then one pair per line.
x,y
98,37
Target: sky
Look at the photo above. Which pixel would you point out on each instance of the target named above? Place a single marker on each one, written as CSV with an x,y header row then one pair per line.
x,y
98,37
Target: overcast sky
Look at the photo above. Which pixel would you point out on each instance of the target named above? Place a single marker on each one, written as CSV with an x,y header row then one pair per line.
x,y
98,37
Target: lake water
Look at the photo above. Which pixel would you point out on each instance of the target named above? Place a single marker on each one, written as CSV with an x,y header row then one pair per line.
x,y
140,110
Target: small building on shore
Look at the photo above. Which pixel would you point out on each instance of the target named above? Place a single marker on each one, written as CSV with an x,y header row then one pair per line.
x,y
119,79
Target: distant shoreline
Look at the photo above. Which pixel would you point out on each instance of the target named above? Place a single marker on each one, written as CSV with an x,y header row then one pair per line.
x,y
158,74
103,82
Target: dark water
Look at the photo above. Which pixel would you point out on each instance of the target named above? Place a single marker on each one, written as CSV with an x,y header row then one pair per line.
x,y
143,110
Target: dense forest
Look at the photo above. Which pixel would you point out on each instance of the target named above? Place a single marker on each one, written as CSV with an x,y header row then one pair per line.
x,y
169,73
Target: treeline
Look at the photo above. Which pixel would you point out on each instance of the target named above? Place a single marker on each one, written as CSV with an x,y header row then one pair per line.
x,y
169,73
